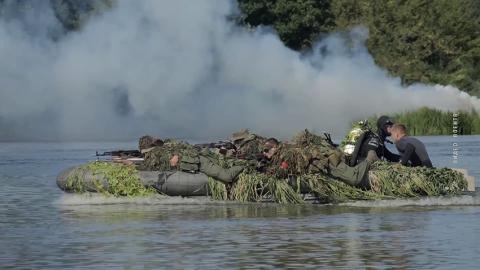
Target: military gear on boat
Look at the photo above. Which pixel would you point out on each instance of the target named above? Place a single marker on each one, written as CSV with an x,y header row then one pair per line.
x,y
192,160
211,168
349,142
190,163
309,153
240,135
148,142
371,141
311,164
159,157
249,146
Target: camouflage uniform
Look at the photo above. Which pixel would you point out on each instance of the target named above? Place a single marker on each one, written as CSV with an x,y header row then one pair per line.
x,y
158,158
312,154
147,142
191,159
249,146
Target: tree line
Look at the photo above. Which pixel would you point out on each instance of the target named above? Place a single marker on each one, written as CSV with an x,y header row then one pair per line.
x,y
428,41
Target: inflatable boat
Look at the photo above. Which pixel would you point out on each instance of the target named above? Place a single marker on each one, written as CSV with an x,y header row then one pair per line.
x,y
172,183
86,178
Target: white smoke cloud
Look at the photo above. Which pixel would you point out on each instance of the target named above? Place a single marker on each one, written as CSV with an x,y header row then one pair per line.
x,y
180,68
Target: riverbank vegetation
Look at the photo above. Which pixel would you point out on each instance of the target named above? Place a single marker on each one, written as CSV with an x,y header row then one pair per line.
x,y
427,121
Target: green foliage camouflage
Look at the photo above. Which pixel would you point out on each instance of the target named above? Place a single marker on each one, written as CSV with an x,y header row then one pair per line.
x,y
217,190
388,181
400,181
418,40
122,180
257,187
329,190
309,157
158,159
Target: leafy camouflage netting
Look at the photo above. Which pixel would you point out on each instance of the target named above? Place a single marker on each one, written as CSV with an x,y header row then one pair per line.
x,y
256,187
400,181
108,178
158,158
329,190
388,181
147,141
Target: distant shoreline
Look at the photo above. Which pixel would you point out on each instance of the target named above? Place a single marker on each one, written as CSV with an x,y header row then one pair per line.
x,y
433,122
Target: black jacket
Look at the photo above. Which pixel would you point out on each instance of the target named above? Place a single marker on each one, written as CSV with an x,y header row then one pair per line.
x,y
376,142
371,141
414,152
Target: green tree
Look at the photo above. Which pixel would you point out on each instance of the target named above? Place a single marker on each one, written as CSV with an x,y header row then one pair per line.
x,y
298,22
429,41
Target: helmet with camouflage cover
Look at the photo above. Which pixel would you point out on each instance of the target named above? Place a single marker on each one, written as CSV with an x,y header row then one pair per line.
x,y
240,136
318,150
146,143
248,145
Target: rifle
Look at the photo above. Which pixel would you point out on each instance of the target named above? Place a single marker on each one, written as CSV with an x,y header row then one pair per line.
x,y
219,145
328,138
120,153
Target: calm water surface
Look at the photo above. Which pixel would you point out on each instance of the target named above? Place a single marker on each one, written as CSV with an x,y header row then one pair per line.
x,y
43,228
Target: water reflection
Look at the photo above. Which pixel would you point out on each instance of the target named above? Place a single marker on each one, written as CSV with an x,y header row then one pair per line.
x,y
254,235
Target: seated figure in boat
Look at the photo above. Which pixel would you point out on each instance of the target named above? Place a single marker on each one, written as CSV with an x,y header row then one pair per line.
x,y
311,154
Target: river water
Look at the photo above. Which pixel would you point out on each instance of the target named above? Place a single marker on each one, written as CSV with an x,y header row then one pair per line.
x,y
43,228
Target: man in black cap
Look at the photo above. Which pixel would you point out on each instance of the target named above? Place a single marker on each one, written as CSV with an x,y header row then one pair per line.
x,y
371,146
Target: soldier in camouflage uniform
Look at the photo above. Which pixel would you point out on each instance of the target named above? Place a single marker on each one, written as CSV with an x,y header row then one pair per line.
x,y
148,142
311,154
177,155
249,146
